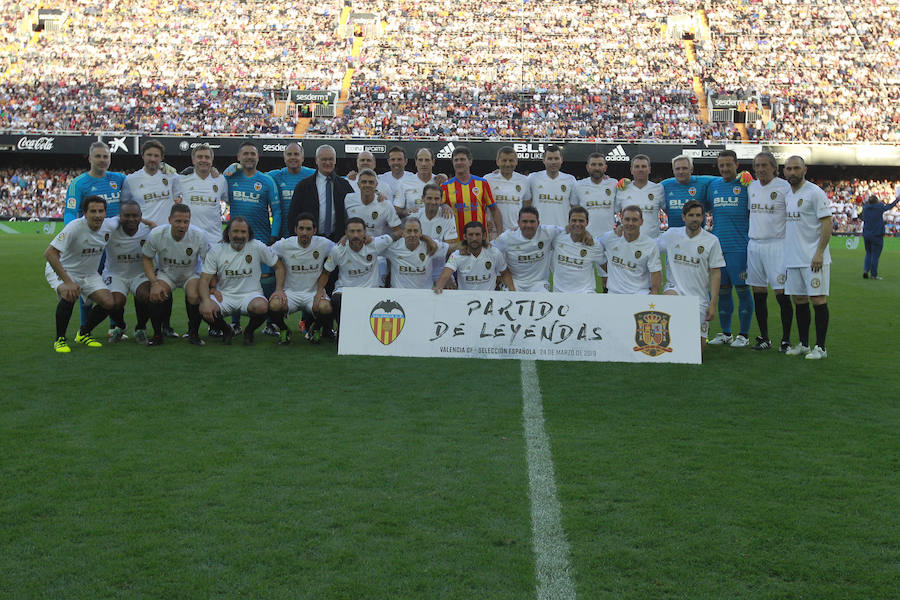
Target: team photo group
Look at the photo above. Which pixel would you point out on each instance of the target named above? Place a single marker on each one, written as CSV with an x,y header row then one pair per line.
x,y
296,237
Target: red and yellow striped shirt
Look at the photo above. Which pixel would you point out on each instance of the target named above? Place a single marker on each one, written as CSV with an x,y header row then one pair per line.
x,y
469,200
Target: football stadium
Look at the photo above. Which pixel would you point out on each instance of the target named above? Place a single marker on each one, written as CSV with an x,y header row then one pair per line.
x,y
374,299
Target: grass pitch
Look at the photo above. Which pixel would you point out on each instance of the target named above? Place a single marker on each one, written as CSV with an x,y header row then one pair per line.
x,y
267,472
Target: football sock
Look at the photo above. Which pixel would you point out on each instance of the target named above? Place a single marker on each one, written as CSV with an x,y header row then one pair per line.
x,y
63,315
97,314
158,317
803,319
787,316
278,319
762,313
821,324
255,321
142,311
84,311
117,317
193,313
745,309
726,309
168,316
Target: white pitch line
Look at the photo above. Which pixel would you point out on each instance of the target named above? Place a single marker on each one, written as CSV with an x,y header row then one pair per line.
x,y
7,229
551,550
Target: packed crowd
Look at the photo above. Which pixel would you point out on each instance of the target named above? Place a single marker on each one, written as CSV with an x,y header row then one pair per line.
x,y
40,194
827,71
835,77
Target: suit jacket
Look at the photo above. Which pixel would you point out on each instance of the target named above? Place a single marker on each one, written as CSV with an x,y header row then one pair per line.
x,y
306,199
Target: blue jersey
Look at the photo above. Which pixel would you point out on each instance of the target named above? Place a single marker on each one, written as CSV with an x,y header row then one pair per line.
x,y
731,213
286,182
677,195
109,187
253,198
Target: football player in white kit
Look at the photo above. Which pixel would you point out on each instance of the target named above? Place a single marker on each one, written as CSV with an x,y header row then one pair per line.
x,y
397,176
575,255
356,261
597,193
436,225
551,190
807,258
693,263
647,195
408,198
204,193
528,250
73,258
633,261
511,189
765,250
124,273
236,266
303,256
476,264
178,249
412,257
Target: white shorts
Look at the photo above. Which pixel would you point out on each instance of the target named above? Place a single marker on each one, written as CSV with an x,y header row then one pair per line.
x,y
300,300
230,304
801,281
174,281
121,285
765,264
88,284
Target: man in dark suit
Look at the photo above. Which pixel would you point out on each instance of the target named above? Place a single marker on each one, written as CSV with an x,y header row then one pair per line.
x,y
322,194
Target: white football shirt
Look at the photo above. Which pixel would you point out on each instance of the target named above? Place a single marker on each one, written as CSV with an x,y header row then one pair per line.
x,y
599,199
650,199
801,235
529,260
124,254
689,260
409,194
509,194
477,272
80,248
204,197
767,208
380,216
154,193
357,269
238,271
176,258
302,265
552,197
413,269
629,264
439,228
573,265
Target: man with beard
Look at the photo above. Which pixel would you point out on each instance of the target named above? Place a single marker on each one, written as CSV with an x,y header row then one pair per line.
x,y
477,264
412,257
575,255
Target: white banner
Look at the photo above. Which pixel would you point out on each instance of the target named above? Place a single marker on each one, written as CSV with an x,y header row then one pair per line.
x,y
459,324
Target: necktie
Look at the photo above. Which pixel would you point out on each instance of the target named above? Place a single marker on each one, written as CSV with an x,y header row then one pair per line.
x,y
329,200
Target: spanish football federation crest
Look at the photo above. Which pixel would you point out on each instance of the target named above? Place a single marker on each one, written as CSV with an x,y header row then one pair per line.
x,y
386,320
651,332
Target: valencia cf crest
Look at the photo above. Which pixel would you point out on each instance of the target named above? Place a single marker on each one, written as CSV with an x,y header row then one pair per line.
x,y
165,181
374,215
700,249
637,253
649,196
736,190
386,320
487,265
114,185
476,191
106,237
799,202
651,332
563,187
815,282
215,188
422,256
608,192
316,254
368,258
773,195
692,191
518,188
583,253
248,258
257,186
142,243
781,278
437,229
189,251
540,245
